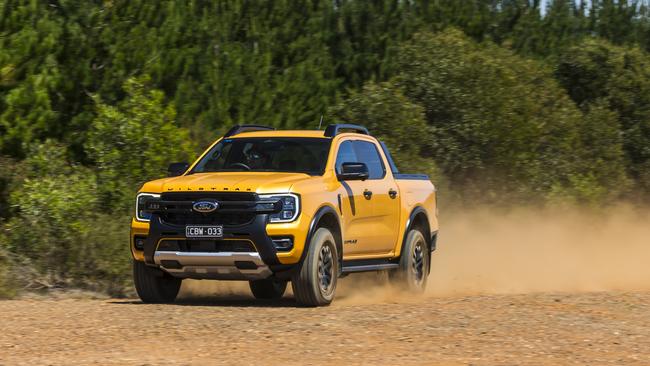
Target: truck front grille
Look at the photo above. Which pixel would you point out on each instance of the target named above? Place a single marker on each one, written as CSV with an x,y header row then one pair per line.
x,y
214,218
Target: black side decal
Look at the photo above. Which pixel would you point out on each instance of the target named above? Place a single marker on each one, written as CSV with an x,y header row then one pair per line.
x,y
338,198
350,197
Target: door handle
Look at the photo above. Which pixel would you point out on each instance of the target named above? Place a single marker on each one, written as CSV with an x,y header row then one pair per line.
x,y
367,194
392,193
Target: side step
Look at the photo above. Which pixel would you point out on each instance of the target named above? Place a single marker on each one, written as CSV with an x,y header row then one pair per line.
x,y
368,265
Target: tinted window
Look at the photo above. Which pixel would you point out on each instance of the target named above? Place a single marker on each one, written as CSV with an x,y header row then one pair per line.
x,y
274,154
367,153
346,154
361,152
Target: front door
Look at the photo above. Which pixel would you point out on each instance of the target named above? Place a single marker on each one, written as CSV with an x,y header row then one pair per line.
x,y
356,210
370,215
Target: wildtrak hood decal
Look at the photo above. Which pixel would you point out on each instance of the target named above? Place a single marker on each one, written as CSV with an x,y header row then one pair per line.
x,y
262,182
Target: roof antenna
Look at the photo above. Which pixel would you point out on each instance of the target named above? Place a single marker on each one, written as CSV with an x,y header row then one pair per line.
x,y
321,122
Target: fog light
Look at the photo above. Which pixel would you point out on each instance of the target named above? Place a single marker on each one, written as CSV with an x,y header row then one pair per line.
x,y
283,244
138,242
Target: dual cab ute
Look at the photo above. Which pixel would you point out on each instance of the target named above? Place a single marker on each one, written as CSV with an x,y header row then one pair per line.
x,y
271,207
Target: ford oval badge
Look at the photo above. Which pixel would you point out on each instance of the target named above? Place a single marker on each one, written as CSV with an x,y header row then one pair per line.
x,y
205,206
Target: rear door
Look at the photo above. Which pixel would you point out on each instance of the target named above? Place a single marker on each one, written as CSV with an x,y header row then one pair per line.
x,y
370,213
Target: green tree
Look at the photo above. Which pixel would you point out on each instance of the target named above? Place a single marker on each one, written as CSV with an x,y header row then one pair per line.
x,y
48,54
597,73
501,125
621,22
134,142
599,174
224,63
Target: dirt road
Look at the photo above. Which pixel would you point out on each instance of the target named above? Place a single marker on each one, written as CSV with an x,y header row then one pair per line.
x,y
590,328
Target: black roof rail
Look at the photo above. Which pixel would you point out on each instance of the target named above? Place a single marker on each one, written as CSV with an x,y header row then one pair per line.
x,y
333,130
237,129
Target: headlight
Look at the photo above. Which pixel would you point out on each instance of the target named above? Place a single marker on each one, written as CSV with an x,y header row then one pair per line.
x,y
290,207
139,205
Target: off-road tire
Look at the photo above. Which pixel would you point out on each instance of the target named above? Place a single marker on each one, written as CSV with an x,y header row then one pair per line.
x,y
413,271
315,283
268,288
154,287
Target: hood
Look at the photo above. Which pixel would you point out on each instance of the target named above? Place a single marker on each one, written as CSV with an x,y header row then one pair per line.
x,y
259,182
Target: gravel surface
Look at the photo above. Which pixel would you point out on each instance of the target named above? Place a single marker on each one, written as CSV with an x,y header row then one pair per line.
x,y
602,328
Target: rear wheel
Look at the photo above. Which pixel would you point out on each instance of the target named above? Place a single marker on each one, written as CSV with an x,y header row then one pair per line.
x,y
154,286
413,270
269,288
315,283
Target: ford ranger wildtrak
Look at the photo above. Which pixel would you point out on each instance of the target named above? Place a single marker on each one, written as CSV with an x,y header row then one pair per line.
x,y
272,207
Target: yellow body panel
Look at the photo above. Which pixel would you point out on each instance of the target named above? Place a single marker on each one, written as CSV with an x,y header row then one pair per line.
x,y
138,228
374,230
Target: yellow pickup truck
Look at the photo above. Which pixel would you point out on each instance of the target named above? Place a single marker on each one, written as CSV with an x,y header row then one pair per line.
x,y
270,207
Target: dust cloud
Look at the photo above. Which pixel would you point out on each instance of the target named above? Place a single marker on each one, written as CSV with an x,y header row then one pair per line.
x,y
531,251
520,251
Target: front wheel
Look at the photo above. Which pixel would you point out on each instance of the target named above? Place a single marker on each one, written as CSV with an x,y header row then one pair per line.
x,y
154,286
268,288
413,270
315,283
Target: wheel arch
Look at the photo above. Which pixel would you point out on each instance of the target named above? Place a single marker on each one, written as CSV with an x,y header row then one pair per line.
x,y
327,217
418,219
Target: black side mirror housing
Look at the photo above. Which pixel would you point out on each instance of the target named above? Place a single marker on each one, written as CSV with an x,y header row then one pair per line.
x,y
176,169
353,171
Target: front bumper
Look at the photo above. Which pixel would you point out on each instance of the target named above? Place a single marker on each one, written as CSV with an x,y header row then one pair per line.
x,y
259,264
221,265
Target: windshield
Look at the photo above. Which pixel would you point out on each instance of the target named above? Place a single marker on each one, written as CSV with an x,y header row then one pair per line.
x,y
267,154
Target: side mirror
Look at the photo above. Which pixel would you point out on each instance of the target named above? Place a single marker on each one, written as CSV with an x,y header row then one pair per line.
x,y
353,171
176,169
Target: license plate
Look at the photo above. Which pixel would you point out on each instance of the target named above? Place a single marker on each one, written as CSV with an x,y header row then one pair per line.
x,y
203,231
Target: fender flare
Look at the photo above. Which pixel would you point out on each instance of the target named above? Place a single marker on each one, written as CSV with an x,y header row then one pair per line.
x,y
428,235
313,226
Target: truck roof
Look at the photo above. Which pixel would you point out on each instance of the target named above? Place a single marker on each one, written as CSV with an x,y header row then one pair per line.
x,y
282,133
266,131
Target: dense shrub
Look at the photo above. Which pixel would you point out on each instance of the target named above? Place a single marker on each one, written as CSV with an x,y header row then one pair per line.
x,y
8,283
501,127
598,75
70,222
61,230
134,142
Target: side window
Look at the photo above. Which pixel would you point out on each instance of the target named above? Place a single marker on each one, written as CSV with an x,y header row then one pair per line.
x,y
366,152
346,154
